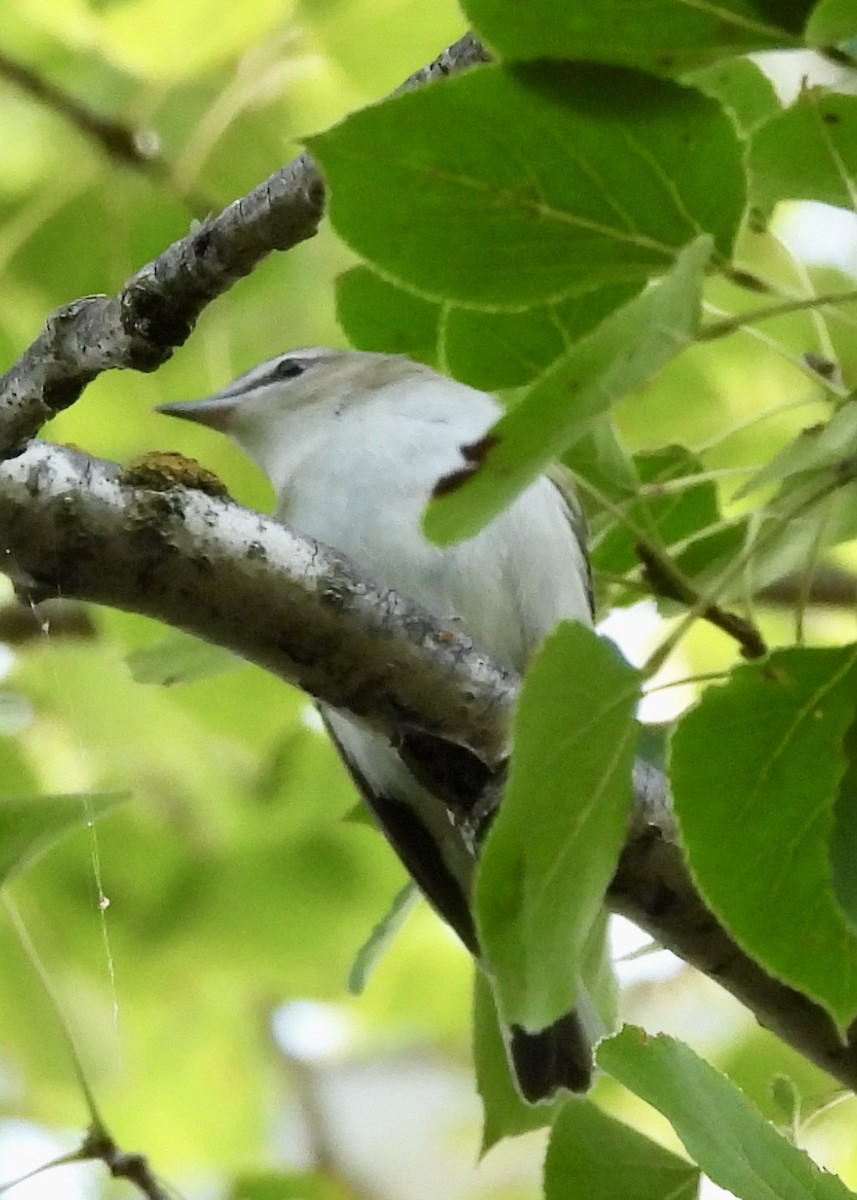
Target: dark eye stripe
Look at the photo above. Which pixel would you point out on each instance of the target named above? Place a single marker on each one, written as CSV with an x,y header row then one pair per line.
x,y
269,372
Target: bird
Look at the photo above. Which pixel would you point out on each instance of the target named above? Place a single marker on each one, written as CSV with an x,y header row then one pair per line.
x,y
354,444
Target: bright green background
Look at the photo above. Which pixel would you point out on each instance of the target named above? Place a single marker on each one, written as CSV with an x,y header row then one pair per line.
x,y
234,881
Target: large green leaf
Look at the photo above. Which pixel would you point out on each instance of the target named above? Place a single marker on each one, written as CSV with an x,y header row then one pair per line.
x,y
595,1156
492,350
843,839
755,771
661,35
378,315
30,827
554,844
721,1130
487,350
618,357
508,187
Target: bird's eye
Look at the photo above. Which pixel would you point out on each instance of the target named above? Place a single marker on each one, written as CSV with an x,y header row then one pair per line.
x,y
289,368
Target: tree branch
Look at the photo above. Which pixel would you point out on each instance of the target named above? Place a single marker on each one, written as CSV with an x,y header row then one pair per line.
x,y
72,524
158,306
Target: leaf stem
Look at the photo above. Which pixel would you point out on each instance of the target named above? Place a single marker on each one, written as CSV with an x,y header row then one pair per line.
x,y
730,325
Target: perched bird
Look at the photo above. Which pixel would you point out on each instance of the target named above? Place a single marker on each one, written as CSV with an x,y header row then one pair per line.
x,y
354,444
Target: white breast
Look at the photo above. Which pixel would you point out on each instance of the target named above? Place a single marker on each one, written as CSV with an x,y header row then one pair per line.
x,y
362,489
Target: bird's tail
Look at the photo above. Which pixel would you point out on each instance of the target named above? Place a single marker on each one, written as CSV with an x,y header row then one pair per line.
x,y
559,1056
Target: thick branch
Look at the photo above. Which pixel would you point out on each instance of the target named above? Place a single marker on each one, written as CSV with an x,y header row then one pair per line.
x,y
70,524
157,308
652,887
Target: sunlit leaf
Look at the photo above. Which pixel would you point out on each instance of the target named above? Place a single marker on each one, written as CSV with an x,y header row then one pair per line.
x,y
553,846
592,1154
756,817
661,35
431,186
721,1130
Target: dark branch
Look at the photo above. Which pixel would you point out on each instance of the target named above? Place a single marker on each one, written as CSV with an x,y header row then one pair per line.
x,y
652,887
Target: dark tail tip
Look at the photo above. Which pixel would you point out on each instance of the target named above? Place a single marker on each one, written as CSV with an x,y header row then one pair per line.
x,y
553,1058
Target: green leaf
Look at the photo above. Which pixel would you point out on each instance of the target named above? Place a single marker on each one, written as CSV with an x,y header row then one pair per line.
x,y
600,457
376,314
179,658
593,1155
553,847
491,350
30,827
756,813
662,518
665,36
487,350
744,90
843,839
815,449
808,152
832,21
618,357
382,934
505,1114
298,1185
808,513
721,1130
511,187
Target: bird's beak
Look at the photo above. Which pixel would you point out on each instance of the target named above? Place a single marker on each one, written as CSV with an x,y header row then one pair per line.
x,y
216,412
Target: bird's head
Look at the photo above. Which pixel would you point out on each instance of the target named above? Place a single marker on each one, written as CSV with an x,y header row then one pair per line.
x,y
293,398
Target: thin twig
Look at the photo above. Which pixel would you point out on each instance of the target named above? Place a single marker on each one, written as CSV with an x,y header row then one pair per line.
x,y
729,325
134,148
667,581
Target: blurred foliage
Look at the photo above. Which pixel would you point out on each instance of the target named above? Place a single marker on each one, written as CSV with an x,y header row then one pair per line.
x,y
230,883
